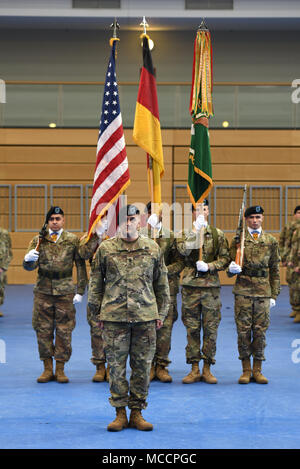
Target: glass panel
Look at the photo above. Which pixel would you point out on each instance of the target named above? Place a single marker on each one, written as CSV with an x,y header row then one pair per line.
x,y
81,105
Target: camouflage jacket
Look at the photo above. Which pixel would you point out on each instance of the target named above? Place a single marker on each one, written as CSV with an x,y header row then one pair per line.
x,y
173,261
87,249
285,239
294,258
129,281
5,249
216,256
260,275
55,265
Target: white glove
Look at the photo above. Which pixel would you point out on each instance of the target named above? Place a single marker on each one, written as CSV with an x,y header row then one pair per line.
x,y
272,302
154,221
200,222
202,266
77,299
234,268
101,228
31,256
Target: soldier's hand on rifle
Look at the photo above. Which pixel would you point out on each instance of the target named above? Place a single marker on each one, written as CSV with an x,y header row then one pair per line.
x,y
202,266
32,256
234,268
200,222
159,324
101,228
154,222
272,302
77,299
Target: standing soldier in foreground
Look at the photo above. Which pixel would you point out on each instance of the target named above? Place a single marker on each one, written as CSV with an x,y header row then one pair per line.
x,y
293,262
256,289
129,294
201,304
5,259
54,298
87,251
285,243
167,243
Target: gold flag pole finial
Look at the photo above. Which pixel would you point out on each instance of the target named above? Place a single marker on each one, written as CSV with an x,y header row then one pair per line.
x,y
145,25
203,26
115,26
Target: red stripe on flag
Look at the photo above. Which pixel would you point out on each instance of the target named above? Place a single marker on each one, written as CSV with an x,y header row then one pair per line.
x,y
111,141
147,95
109,168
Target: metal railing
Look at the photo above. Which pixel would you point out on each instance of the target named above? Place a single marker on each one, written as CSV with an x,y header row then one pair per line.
x,y
77,104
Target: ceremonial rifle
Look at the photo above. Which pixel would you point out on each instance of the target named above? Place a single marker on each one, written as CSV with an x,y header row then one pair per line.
x,y
240,232
42,235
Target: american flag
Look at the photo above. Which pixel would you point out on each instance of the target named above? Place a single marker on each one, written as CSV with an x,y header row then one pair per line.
x,y
111,171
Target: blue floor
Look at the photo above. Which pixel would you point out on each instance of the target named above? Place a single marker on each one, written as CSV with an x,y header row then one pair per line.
x,y
75,415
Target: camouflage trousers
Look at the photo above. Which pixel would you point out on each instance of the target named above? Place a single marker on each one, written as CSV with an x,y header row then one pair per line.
x,y
252,318
97,343
295,297
3,282
54,315
201,309
136,341
163,335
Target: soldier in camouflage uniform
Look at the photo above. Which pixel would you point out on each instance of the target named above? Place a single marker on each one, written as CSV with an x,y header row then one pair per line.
x,y
87,251
167,243
129,294
285,242
256,289
5,259
54,310
293,261
201,303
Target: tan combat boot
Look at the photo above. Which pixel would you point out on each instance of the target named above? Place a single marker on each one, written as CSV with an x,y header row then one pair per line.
x,y
207,376
1,314
257,374
59,373
47,374
107,374
293,314
152,373
297,317
99,376
246,375
120,421
194,375
137,421
162,374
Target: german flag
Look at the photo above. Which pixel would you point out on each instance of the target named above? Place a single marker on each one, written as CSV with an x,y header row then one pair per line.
x,y
146,129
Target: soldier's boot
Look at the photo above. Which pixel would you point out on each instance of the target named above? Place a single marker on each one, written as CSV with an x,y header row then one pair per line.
x,y
293,314
1,315
297,317
152,372
207,375
107,374
137,421
99,376
257,374
47,374
120,421
194,375
247,372
162,374
60,374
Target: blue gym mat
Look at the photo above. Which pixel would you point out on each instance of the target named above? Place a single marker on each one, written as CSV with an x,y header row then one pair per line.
x,y
75,415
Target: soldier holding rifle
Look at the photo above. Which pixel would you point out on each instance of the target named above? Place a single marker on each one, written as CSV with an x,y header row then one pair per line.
x,y
255,261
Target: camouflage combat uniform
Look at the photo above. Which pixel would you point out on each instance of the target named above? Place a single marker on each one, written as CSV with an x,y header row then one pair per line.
x,y
167,243
294,259
255,285
53,293
87,251
128,290
285,244
5,259
201,302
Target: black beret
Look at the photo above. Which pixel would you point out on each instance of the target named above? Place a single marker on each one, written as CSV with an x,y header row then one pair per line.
x,y
54,210
296,209
255,210
127,211
148,207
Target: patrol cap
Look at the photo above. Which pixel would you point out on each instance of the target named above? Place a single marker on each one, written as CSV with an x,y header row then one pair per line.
x,y
127,211
54,211
205,203
255,210
297,209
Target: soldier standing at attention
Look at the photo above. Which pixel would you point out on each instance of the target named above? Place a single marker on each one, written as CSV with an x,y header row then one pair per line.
x,y
54,293
256,289
285,243
129,294
293,262
167,243
87,251
5,259
201,304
